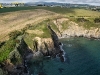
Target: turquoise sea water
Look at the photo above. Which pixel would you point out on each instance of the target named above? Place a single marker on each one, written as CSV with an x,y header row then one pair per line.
x,y
83,59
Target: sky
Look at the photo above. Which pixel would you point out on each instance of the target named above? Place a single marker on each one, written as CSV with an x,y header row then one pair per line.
x,y
96,2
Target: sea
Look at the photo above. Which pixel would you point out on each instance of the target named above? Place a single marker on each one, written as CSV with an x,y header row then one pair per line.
x,y
82,57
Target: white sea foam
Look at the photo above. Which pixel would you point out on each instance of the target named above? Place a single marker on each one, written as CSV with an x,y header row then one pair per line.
x,y
63,51
69,45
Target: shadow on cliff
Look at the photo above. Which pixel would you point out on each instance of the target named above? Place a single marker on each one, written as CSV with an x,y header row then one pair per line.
x,y
58,47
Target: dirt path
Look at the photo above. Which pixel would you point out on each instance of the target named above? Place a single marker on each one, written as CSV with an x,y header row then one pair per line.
x,y
17,20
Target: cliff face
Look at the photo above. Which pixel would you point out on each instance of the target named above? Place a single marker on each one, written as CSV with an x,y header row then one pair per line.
x,y
15,63
57,45
68,28
76,30
43,45
46,47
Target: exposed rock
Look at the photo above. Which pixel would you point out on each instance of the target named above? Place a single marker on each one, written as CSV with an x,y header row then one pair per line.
x,y
47,46
55,41
44,45
73,29
57,45
76,30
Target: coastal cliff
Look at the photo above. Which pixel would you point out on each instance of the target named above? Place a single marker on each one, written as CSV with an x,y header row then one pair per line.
x,y
69,28
17,60
47,46
76,30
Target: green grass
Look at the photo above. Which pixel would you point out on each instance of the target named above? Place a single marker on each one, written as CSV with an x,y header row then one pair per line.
x,y
59,9
13,9
9,45
87,24
54,27
85,13
6,49
29,39
65,25
40,26
75,12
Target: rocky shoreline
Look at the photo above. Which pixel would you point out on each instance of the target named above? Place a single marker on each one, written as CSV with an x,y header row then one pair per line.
x,y
74,30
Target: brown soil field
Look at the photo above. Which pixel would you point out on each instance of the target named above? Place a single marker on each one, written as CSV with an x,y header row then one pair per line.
x,y
17,20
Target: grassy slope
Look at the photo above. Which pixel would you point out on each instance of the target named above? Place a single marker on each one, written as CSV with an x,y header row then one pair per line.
x,y
73,11
6,49
17,20
41,27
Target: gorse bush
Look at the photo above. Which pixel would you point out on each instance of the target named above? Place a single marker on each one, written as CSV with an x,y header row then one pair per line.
x,y
14,34
82,20
97,20
1,43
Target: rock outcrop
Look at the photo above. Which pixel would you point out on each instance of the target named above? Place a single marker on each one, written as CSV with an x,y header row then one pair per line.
x,y
57,45
42,47
49,47
76,30
70,28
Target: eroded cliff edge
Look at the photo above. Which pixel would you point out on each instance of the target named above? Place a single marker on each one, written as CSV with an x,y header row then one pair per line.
x,y
76,30
68,28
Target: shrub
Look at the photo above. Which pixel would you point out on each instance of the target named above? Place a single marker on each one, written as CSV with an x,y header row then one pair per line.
x,y
82,20
15,56
14,34
1,43
97,20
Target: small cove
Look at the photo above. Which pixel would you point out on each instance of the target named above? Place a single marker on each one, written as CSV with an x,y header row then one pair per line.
x,y
82,58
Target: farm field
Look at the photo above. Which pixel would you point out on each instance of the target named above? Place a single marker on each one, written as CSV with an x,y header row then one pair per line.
x,y
17,20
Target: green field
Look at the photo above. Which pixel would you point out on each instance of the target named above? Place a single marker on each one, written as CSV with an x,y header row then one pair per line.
x,y
13,9
75,12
